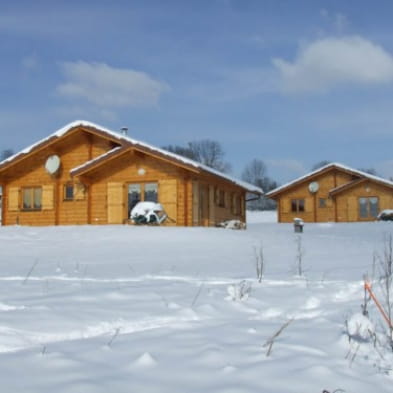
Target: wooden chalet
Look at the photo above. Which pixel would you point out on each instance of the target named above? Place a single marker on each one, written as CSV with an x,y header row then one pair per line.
x,y
333,193
86,174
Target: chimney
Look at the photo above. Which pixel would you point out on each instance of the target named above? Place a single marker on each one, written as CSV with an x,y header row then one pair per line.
x,y
124,130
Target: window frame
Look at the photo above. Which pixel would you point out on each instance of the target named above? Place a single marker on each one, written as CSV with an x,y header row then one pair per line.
x,y
298,205
65,186
322,203
31,191
367,206
142,192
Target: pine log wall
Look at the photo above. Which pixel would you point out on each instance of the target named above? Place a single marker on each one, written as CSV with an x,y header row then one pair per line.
x,y
343,207
190,199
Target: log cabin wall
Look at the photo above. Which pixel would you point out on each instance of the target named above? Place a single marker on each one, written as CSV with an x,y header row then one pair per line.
x,y
215,202
188,200
73,150
109,188
343,195
319,206
100,194
348,203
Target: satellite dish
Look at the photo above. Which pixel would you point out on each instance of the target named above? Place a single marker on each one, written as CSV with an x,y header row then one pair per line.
x,y
313,187
52,164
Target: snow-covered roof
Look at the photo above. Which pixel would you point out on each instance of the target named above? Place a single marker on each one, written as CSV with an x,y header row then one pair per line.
x,y
325,168
125,138
111,152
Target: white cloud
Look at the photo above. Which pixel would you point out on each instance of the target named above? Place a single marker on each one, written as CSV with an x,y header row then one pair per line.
x,y
330,62
109,87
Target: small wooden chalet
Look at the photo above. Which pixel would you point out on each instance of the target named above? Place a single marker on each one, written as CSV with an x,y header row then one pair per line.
x,y
86,174
333,193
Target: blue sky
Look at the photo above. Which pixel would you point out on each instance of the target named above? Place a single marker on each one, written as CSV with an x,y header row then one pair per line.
x,y
288,82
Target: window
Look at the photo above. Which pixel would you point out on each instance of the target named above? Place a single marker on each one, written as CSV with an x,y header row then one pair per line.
x,y
138,192
322,202
68,192
151,192
297,205
32,198
368,207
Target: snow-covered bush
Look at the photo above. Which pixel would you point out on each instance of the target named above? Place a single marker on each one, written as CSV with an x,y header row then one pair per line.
x,y
240,291
360,328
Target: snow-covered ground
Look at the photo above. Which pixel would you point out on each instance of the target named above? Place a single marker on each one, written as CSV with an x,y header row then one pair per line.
x,y
149,309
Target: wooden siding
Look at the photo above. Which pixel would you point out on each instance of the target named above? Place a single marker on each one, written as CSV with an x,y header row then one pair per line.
x,y
343,207
124,170
313,212
168,197
100,195
348,202
73,150
115,202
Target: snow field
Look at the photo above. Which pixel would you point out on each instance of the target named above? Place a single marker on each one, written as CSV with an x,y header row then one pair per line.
x,y
137,309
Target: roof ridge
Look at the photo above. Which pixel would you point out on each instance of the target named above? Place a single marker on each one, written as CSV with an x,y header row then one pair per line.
x,y
327,166
84,123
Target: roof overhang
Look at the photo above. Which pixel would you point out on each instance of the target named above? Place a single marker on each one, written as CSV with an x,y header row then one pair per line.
x,y
122,145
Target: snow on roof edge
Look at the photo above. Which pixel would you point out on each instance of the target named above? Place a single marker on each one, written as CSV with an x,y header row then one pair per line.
x,y
61,131
321,169
98,158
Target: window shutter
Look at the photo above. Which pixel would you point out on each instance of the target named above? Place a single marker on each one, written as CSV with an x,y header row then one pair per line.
x,y
309,205
384,202
115,203
167,195
285,205
13,199
48,197
79,191
352,208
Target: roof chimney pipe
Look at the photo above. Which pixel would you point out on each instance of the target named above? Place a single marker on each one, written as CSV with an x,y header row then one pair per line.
x,y
124,130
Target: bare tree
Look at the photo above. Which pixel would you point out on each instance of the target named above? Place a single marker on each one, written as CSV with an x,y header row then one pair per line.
x,y
181,151
256,173
370,171
386,281
6,153
209,153
320,164
205,151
